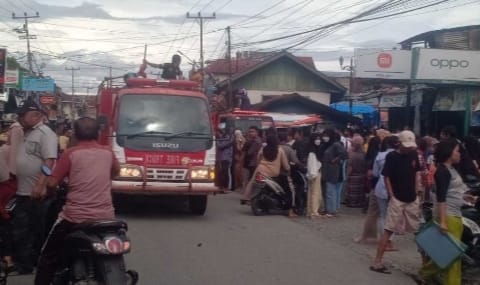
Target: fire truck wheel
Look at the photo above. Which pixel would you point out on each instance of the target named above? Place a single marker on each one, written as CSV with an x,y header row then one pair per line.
x,y
198,204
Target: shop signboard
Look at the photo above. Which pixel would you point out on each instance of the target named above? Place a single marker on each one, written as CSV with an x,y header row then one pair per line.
x,y
38,84
449,99
47,99
386,64
447,66
400,100
475,104
11,77
3,96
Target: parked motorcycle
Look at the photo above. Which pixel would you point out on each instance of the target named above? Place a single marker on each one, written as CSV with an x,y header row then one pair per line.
x,y
267,196
94,252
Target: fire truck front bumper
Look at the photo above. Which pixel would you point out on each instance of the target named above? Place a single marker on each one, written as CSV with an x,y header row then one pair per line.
x,y
164,188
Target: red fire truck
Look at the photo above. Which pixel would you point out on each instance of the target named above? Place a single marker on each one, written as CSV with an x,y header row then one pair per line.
x,y
243,119
161,132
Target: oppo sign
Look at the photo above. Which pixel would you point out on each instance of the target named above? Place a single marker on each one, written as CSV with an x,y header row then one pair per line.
x,y
449,63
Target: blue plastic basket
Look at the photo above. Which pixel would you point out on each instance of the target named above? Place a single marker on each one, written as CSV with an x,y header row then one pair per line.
x,y
442,248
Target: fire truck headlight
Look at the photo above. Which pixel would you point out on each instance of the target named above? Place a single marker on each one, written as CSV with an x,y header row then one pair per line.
x,y
199,174
130,171
203,173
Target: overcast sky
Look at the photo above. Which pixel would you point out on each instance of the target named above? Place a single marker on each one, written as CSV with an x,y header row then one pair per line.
x,y
98,33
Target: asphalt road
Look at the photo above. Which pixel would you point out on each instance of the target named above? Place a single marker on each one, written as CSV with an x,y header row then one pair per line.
x,y
230,246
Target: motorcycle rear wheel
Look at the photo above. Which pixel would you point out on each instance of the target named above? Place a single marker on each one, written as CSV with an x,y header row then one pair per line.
x,y
258,206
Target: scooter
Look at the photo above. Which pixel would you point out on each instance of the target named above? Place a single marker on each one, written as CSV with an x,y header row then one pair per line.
x,y
94,252
267,196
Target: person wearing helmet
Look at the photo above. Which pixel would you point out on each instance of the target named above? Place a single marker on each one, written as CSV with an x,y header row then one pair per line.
x,y
170,70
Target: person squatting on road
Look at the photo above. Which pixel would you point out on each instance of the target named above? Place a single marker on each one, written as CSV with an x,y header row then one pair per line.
x,y
89,168
450,191
39,147
399,173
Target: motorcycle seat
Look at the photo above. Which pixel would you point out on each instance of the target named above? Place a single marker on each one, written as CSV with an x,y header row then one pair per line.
x,y
101,224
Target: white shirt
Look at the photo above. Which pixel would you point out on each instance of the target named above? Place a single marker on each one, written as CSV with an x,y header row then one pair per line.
x,y
380,188
313,166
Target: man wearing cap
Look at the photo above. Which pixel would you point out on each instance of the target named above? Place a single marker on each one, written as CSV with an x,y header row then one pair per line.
x,y
399,173
38,147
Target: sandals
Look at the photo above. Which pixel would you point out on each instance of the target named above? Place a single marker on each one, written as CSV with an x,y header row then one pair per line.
x,y
383,269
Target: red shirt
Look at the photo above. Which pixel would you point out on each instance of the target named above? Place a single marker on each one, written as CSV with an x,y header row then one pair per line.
x,y
88,166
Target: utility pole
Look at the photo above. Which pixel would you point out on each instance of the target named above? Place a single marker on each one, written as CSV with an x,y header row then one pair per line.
x,y
350,68
73,69
27,36
200,19
229,58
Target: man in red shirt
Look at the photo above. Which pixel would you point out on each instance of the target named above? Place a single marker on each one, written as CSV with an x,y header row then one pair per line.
x,y
89,168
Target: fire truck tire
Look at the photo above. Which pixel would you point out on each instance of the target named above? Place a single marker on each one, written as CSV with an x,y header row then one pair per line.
x,y
197,204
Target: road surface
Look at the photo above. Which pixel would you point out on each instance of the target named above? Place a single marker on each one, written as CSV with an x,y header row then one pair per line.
x,y
230,246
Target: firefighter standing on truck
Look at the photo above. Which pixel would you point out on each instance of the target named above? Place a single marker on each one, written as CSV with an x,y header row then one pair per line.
x,y
170,70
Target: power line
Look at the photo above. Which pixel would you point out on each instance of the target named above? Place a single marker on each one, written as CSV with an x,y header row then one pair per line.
x,y
258,14
223,6
355,19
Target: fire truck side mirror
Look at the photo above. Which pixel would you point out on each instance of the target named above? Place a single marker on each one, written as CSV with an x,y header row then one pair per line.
x,y
102,121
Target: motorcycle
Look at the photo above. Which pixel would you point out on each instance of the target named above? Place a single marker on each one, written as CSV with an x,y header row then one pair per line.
x,y
94,253
267,196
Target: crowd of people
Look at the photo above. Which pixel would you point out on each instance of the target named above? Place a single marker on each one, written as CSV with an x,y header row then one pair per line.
x,y
387,175
390,176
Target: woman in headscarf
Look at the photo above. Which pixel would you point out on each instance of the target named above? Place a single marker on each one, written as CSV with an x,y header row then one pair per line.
x,y
333,155
356,172
238,159
314,198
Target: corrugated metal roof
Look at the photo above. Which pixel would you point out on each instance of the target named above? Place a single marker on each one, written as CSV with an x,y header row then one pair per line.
x,y
465,37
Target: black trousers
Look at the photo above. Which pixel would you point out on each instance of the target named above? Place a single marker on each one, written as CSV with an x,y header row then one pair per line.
x,y
28,231
282,180
225,178
53,255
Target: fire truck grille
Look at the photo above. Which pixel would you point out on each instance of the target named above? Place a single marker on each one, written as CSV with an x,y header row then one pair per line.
x,y
159,174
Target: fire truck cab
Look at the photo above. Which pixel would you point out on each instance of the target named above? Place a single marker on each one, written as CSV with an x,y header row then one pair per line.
x,y
161,133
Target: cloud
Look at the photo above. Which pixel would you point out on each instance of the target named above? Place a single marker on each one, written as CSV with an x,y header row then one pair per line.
x,y
98,11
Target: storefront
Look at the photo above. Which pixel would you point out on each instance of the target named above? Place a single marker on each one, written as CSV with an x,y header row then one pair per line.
x,y
456,76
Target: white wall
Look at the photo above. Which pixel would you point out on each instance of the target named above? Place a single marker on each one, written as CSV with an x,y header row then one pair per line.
x,y
257,95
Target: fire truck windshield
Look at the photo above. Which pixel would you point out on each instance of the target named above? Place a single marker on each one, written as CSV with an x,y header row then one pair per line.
x,y
146,121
